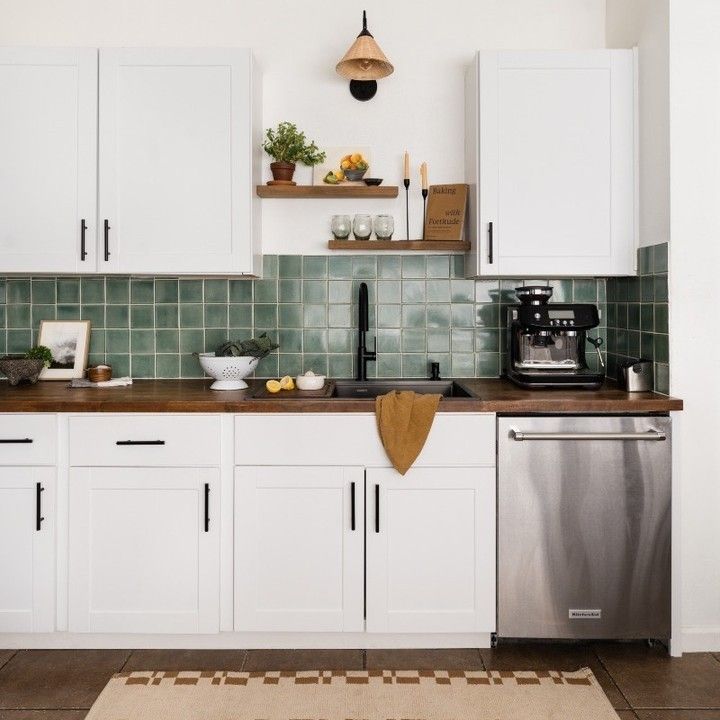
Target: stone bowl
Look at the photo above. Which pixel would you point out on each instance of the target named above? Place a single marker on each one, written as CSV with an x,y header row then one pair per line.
x,y
21,369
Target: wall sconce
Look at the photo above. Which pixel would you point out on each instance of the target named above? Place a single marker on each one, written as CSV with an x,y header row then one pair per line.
x,y
363,64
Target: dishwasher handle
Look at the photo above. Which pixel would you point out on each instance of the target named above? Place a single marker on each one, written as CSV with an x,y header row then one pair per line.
x,y
654,435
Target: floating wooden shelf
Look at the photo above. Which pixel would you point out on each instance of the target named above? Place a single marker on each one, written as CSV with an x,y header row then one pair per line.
x,y
397,245
327,191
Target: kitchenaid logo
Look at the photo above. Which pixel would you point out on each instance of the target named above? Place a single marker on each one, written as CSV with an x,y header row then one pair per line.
x,y
585,614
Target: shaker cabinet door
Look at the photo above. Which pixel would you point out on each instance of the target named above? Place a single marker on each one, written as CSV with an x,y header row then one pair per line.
x,y
143,559
299,549
551,160
27,549
48,159
431,550
176,191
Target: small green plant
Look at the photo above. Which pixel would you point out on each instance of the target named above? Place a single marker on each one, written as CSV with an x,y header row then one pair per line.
x,y
40,352
257,347
288,144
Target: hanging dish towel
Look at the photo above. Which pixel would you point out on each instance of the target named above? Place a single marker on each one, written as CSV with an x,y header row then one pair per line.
x,y
404,420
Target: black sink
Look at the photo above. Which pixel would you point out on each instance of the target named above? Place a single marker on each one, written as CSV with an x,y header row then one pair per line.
x,y
373,388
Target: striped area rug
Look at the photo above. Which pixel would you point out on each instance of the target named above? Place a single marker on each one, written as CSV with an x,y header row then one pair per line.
x,y
354,695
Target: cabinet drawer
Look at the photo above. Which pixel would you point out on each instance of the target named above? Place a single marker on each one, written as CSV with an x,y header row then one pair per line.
x,y
145,440
28,439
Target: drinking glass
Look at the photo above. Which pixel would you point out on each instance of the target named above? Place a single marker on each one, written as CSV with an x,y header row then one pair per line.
x,y
362,227
340,227
384,225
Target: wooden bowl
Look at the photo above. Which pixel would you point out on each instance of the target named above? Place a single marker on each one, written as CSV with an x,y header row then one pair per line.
x,y
101,373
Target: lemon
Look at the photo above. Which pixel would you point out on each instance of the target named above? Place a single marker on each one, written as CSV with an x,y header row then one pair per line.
x,y
287,383
272,386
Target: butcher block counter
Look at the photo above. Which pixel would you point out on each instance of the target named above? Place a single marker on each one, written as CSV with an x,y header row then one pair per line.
x,y
186,396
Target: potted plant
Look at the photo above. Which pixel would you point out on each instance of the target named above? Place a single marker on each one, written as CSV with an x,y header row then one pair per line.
x,y
288,145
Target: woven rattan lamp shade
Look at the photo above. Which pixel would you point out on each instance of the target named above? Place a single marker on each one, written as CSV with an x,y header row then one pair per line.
x,y
364,61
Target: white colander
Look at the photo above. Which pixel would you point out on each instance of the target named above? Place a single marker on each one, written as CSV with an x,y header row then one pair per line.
x,y
227,371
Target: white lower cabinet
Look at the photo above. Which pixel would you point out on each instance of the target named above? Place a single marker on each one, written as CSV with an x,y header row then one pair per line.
x,y
27,549
431,550
144,550
299,548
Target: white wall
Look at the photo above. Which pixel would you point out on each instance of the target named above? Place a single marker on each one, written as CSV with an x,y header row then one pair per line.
x,y
694,263
298,43
645,24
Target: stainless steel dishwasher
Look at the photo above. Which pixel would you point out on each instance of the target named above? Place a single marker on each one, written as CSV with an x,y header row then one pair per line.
x,y
584,527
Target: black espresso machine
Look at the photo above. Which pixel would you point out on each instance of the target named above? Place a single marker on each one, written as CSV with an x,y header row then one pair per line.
x,y
546,342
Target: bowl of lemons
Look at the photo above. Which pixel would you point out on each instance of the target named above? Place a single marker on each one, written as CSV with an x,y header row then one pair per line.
x,y
352,169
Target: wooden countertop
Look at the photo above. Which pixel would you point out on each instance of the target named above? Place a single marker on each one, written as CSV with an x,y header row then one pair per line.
x,y
183,396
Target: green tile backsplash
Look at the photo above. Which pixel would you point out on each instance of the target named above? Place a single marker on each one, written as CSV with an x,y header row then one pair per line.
x,y
421,310
637,316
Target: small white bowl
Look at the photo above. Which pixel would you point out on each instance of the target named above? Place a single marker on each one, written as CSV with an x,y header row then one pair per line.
x,y
227,371
310,382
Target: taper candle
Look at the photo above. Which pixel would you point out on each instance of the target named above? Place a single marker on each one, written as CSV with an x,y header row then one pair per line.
x,y
423,176
407,165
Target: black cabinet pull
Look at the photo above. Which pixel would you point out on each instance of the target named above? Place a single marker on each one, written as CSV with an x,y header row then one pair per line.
x,y
377,508
15,441
106,232
83,251
139,442
207,507
38,506
490,243
352,506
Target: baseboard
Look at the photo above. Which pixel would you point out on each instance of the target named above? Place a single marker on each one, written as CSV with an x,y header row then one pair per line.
x,y
701,638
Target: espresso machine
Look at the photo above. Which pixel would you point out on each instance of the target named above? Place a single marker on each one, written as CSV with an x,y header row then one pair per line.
x,y
546,342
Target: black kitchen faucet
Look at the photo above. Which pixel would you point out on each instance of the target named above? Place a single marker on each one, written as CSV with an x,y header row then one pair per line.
x,y
363,354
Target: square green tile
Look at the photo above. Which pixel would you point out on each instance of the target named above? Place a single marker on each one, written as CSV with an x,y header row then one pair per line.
x,y
647,288
661,348
142,366
413,316
661,318
167,291
646,317
633,321
487,364
290,316
241,291
414,365
120,364
191,291
43,292
117,341
389,291
315,340
314,267
216,316
167,341
290,290
18,291
142,316
216,291
19,341
438,340
457,266
3,291
463,341
42,312
414,340
68,291
68,312
315,291
660,258
167,316
633,346
413,291
389,365
462,291
438,266
116,316
463,315
645,260
584,291
290,364
438,316
661,289
340,316
487,316
340,268
191,340
315,315
389,267
388,340
340,366
190,367
215,337
487,341
340,340
167,366
92,291
3,320
18,316
191,316
318,363
437,291
389,316
413,266
364,266
339,291
142,291
290,266
290,340
634,289
117,290
463,365
240,315
270,267
142,341
94,313
97,341
268,367
266,317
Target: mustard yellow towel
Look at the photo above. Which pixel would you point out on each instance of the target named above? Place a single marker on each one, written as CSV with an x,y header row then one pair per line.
x,y
404,420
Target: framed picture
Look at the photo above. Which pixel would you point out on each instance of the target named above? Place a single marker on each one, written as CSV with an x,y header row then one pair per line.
x,y
69,343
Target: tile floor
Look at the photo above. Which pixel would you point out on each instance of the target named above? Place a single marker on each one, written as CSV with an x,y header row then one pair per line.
x,y
642,683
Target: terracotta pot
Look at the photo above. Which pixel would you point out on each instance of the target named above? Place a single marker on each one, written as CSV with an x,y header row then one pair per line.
x,y
283,172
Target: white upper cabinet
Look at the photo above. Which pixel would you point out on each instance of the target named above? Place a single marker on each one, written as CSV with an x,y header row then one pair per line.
x,y
178,129
551,160
48,159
